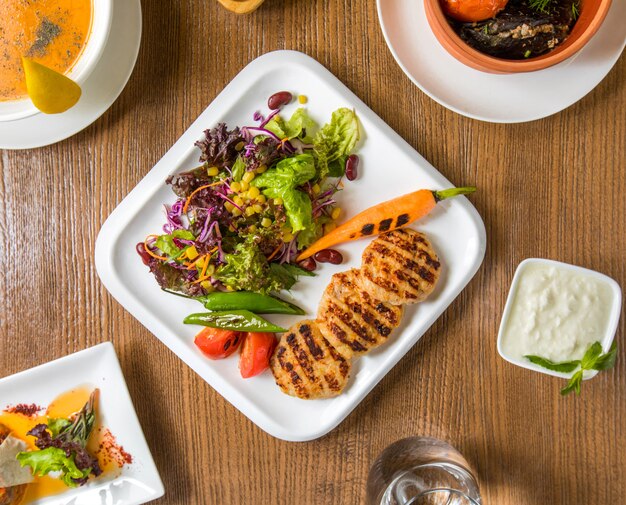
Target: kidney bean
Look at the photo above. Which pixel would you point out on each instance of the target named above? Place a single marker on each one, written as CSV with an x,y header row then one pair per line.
x,y
329,256
352,165
308,264
277,100
141,250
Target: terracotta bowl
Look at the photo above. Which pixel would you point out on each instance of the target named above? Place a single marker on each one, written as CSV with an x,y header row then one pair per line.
x,y
592,13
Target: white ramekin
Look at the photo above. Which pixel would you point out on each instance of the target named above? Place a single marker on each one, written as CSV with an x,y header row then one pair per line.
x,y
98,35
611,326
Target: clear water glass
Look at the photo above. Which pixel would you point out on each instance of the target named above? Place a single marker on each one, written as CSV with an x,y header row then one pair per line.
x,y
421,471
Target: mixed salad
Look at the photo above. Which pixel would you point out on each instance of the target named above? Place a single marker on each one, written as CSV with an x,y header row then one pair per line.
x,y
261,195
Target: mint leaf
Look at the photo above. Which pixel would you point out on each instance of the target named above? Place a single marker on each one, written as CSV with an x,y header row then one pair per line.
x,y
591,356
574,384
607,360
564,366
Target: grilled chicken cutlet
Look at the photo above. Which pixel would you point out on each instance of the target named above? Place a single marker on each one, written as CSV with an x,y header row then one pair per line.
x,y
10,495
400,267
351,319
305,365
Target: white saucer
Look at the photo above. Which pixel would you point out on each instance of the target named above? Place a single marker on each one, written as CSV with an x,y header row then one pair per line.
x,y
100,90
511,98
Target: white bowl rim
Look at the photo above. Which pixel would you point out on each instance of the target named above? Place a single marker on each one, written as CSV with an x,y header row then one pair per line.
x,y
611,328
102,13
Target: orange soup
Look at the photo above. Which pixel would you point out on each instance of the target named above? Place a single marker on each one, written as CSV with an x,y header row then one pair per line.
x,y
52,32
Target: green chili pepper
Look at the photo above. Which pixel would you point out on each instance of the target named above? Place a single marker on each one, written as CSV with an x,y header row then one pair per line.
x,y
236,320
245,300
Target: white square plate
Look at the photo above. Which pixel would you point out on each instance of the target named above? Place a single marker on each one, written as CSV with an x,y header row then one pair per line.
x,y
389,168
96,367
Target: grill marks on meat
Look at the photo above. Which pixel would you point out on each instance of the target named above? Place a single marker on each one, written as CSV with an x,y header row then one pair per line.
x,y
306,365
400,267
352,320
359,310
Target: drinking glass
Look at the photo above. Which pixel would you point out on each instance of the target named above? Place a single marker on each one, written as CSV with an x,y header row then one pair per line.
x,y
421,471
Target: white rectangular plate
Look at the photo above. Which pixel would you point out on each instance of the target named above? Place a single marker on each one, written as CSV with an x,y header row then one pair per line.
x,y
95,367
389,168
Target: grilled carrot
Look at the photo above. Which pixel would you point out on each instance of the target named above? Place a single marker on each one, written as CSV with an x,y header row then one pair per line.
x,y
385,217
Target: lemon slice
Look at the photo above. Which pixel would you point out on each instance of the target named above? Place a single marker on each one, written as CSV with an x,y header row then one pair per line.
x,y
50,91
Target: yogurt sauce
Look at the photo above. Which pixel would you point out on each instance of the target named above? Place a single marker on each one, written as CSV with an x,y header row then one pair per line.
x,y
556,313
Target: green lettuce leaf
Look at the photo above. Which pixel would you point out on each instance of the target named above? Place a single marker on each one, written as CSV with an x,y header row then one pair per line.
x,y
247,269
299,125
53,459
336,140
56,426
166,242
282,181
239,167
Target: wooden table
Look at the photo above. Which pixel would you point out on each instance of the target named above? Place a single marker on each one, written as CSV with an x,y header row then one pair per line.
x,y
553,188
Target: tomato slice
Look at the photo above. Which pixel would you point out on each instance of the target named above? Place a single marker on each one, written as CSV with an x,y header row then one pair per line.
x,y
216,343
256,351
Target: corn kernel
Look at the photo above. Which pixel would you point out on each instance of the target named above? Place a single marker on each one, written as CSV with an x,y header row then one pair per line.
x,y
192,252
328,227
238,200
235,186
229,206
245,186
236,212
200,262
248,176
250,211
252,228
278,201
302,99
287,237
261,198
253,192
266,222
210,270
257,208
207,285
212,171
336,213
240,146
316,189
261,169
230,288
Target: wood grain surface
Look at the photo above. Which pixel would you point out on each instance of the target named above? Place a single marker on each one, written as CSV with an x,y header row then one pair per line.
x,y
553,188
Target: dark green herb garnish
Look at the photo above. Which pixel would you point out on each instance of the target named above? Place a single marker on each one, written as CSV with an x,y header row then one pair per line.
x,y
575,10
592,360
527,53
540,5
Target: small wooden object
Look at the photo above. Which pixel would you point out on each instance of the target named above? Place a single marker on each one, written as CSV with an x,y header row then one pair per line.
x,y
241,6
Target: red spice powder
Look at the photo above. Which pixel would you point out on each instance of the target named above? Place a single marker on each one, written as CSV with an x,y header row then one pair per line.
x,y
109,450
24,409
